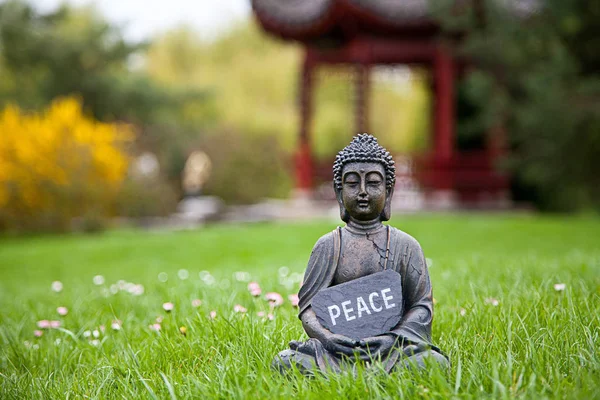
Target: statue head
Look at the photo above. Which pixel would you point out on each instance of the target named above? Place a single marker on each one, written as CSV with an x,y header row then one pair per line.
x,y
363,179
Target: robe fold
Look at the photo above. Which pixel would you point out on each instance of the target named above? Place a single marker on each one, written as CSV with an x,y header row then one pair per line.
x,y
414,329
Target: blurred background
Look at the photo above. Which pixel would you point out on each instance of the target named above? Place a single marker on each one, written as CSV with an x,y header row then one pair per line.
x,y
182,111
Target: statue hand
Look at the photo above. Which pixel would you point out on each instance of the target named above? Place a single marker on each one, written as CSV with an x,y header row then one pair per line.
x,y
340,344
376,346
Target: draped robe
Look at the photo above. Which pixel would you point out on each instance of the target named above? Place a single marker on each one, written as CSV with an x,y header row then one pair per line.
x,y
413,332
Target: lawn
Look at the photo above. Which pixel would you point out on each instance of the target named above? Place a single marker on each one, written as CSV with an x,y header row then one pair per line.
x,y
499,316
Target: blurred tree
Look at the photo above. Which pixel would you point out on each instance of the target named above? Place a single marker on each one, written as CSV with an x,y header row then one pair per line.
x,y
246,169
251,81
538,74
254,81
76,51
251,77
68,51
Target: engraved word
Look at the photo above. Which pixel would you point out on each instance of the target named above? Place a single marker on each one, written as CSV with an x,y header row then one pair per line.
x,y
362,306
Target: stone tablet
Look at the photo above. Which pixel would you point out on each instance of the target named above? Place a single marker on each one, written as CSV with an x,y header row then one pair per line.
x,y
361,308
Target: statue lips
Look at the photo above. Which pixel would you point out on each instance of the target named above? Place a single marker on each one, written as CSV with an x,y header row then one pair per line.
x,y
363,203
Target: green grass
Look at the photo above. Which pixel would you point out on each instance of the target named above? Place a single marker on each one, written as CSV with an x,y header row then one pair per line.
x,y
536,343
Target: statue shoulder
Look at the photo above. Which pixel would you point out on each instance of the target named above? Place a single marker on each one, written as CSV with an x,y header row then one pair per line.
x,y
404,239
325,244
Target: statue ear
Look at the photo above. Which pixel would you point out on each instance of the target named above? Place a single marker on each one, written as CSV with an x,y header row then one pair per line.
x,y
343,212
386,214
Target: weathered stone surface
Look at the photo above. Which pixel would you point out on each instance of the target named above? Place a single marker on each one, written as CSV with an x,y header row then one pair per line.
x,y
364,307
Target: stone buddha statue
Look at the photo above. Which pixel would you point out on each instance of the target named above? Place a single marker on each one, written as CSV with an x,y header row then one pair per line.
x,y
364,177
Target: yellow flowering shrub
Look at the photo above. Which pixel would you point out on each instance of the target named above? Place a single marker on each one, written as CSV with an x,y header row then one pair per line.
x,y
58,164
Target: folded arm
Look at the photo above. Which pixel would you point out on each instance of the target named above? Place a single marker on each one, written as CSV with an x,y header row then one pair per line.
x,y
332,342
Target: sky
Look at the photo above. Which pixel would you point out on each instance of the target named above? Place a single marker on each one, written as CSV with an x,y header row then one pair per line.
x,y
141,19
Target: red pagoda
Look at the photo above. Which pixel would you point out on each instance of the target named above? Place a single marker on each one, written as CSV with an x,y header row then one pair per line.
x,y
366,33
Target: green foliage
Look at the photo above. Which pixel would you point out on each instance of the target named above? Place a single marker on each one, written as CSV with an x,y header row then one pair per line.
x,y
75,51
538,76
146,197
254,80
536,343
69,51
245,169
251,79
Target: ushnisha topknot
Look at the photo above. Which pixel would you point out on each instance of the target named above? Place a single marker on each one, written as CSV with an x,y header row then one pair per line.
x,y
364,148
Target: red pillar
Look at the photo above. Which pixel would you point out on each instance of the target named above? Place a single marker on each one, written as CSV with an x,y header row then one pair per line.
x,y
444,125
304,161
361,110
444,105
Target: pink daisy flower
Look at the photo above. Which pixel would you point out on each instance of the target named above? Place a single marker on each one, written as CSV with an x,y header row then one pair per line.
x,y
293,299
168,307
55,324
43,324
137,290
62,311
57,286
274,298
239,308
38,333
154,327
492,301
98,280
264,315
254,289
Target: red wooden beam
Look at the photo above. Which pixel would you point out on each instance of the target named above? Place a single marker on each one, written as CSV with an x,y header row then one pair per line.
x,y
304,160
376,50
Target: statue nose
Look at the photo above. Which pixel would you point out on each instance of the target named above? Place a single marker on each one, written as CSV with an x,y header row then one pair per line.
x,y
362,188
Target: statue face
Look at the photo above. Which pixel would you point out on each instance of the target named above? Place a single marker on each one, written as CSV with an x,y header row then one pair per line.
x,y
363,190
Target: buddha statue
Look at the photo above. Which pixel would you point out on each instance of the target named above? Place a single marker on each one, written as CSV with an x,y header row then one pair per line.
x,y
364,177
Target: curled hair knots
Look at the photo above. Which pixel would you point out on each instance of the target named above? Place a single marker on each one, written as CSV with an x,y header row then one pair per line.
x,y
364,148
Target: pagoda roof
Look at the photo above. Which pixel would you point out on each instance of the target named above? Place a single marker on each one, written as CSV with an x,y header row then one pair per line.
x,y
314,20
